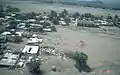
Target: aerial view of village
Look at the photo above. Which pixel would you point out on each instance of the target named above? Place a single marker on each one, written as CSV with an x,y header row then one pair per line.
x,y
59,37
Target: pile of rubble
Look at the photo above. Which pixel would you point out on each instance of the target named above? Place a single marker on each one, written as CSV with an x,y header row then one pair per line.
x,y
48,50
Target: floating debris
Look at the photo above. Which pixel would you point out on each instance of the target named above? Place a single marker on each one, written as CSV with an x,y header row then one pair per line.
x,y
48,50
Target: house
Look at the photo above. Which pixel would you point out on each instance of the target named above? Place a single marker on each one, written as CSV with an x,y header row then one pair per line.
x,y
6,33
47,29
35,27
34,40
21,25
9,59
63,23
45,17
19,33
102,22
86,23
7,17
14,36
30,49
13,15
31,20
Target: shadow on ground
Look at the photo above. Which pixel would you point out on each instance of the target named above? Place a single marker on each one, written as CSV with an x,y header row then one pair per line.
x,y
86,68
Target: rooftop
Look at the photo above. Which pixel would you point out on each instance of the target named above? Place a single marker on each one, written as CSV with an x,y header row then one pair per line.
x,y
30,49
9,59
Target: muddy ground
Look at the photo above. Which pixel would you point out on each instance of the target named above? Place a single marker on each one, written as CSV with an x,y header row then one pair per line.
x,y
103,52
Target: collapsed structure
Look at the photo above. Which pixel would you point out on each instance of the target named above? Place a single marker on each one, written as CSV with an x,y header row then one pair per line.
x,y
9,59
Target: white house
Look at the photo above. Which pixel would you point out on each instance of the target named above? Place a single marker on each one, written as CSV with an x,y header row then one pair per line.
x,y
6,33
62,23
47,29
34,40
30,49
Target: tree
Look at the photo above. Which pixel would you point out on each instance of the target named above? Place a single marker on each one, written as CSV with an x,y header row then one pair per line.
x,y
45,24
31,15
18,39
116,17
53,28
1,8
12,9
2,14
45,13
109,17
55,21
64,13
87,15
81,61
67,20
76,15
34,65
13,25
53,13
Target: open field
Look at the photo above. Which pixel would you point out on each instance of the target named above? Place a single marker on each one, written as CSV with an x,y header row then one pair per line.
x,y
101,50
33,6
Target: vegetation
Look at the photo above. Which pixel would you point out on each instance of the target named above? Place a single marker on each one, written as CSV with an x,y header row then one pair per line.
x,y
81,61
76,15
17,39
63,14
53,28
31,15
67,20
34,66
12,9
2,29
2,14
109,17
88,15
52,15
45,24
55,21
13,25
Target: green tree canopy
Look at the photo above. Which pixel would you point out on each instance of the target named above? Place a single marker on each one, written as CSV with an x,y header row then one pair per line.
x,y
76,15
64,13
12,9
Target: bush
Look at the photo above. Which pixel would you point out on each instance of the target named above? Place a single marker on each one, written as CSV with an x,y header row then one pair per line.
x,y
55,21
53,28
45,24
64,13
81,61
34,65
76,15
18,39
